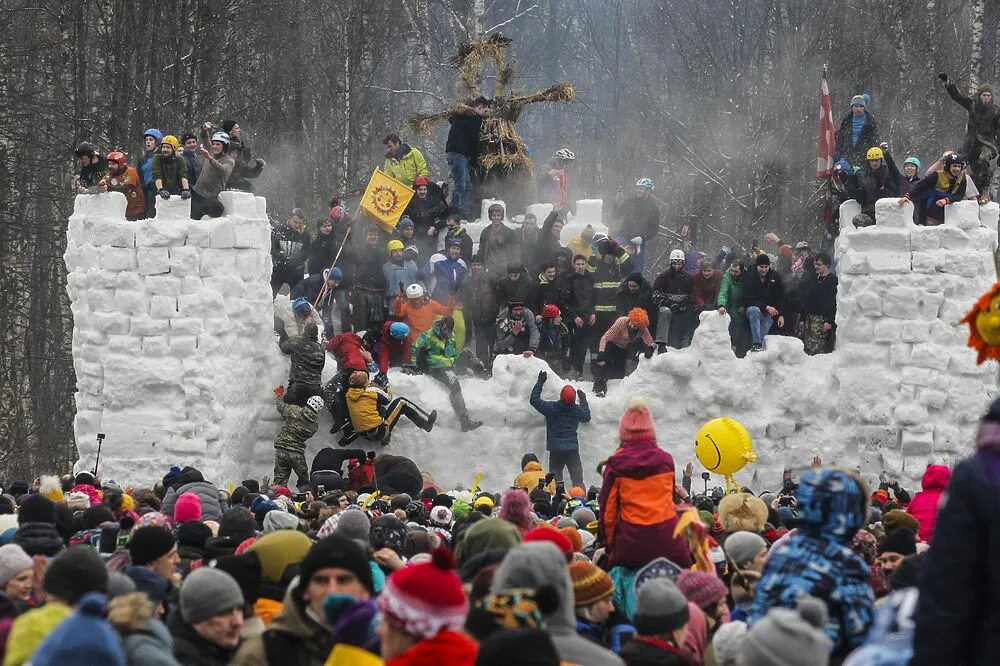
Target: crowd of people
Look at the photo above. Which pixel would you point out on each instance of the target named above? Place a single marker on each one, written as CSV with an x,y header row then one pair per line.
x,y
373,562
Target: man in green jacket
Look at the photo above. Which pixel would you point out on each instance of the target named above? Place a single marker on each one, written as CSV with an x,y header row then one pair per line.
x,y
731,301
301,423
434,353
403,162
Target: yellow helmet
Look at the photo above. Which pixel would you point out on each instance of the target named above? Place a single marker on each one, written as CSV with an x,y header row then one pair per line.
x,y
873,154
172,141
394,245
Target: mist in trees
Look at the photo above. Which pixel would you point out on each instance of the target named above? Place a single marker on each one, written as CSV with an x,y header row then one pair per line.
x,y
716,101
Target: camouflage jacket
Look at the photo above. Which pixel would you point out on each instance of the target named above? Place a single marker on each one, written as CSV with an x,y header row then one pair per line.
x,y
300,424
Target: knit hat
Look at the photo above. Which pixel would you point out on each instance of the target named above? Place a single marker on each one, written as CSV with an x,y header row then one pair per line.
x,y
149,544
660,608
728,642
901,540
75,572
388,531
278,551
573,534
636,423
193,534
245,570
83,637
704,589
550,311
484,501
899,518
150,583
260,507
423,600
339,552
404,222
590,583
858,100
119,584
237,523
460,509
334,274
762,260
187,507
78,501
354,525
984,88
524,647
151,519
96,516
400,501
742,511
13,560
36,509
208,592
583,517
744,546
787,637
279,520
553,536
567,395
228,125
440,516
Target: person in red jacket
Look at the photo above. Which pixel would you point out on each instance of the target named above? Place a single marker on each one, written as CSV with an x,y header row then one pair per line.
x,y
924,505
393,345
351,354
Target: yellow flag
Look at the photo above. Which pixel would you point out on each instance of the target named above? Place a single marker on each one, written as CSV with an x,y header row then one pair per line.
x,y
385,199
475,484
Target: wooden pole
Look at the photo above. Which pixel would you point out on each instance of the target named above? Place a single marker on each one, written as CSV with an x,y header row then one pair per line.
x,y
322,291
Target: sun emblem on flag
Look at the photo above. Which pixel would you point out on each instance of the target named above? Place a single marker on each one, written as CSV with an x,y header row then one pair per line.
x,y
384,199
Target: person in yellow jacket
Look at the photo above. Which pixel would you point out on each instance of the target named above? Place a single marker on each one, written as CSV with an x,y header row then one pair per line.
x,y
582,244
403,162
532,473
374,412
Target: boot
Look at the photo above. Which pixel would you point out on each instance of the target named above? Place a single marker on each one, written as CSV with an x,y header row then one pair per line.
x,y
661,347
429,423
600,387
468,424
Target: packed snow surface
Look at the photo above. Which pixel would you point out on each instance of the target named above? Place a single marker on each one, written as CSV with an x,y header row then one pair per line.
x,y
176,359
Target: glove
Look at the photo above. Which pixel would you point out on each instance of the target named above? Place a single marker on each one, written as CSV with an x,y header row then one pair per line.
x,y
164,194
884,146
637,241
410,370
185,194
649,352
279,391
943,77
580,394
542,376
381,379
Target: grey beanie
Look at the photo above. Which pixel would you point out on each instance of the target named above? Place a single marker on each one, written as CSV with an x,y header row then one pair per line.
x,y
744,546
354,524
786,637
119,584
728,642
13,560
584,517
279,520
209,592
660,608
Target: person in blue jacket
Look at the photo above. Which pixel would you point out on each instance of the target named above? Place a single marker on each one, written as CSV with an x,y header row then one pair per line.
x,y
562,418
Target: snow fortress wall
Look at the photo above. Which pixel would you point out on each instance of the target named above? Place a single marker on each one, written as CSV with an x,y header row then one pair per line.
x,y
175,359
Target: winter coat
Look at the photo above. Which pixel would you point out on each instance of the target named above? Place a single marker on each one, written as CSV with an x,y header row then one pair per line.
x,y
479,301
245,167
295,634
762,293
211,508
300,424
152,645
984,121
170,170
93,494
420,318
463,135
650,651
367,269
30,629
924,505
464,238
323,250
129,185
289,253
873,185
145,169
639,217
529,565
938,185
191,649
674,289
637,509
576,296
499,246
404,272
309,289
389,348
578,246
406,165
820,297
818,560
448,647
39,539
308,359
92,174
958,613
449,275
546,246
347,348
194,162
428,212
214,176
706,290
365,407
543,292
561,420
508,290
731,295
621,335
531,474
554,340
607,277
510,343
855,152
431,351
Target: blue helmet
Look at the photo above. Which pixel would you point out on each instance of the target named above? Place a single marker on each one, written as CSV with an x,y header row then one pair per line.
x,y
399,330
155,133
333,274
301,306
843,164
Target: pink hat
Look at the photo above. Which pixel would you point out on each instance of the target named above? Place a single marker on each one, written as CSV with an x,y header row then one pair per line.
x,y
636,423
701,588
187,508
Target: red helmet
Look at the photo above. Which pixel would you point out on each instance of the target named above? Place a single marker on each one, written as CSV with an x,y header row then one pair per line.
x,y
118,157
550,311
420,181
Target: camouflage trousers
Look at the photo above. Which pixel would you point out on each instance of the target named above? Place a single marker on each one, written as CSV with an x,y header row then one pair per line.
x,y
981,166
285,462
814,337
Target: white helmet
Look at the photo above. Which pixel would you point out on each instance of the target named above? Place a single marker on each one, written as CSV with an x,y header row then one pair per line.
x,y
565,154
315,403
645,182
414,291
222,138
677,255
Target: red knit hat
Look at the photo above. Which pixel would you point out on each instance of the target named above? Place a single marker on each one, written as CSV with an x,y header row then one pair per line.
x,y
419,180
636,423
425,599
553,536
567,394
187,508
283,491
549,311
701,588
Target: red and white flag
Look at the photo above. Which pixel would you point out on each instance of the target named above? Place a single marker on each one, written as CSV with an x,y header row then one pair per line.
x,y
827,132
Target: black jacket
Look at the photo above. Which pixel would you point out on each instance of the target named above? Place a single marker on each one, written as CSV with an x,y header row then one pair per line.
x,y
984,121
246,167
576,296
639,653
323,249
639,217
289,253
479,299
428,212
874,185
846,149
820,297
191,649
762,293
463,137
542,293
509,290
643,299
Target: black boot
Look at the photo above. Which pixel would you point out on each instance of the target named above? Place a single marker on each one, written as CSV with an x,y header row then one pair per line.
x,y
429,423
468,424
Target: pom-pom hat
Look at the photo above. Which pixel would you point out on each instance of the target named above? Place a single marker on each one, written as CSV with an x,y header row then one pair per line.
x,y
425,599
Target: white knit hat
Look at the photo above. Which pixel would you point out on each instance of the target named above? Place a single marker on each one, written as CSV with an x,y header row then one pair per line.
x,y
13,560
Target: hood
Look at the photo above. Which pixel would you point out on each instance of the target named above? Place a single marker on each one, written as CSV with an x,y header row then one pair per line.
x,y
936,477
532,466
295,620
533,564
640,459
188,475
353,394
831,504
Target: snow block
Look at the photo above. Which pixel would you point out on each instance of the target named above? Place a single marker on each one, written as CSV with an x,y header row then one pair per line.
x,y
963,214
160,231
888,213
902,303
989,215
239,204
215,263
848,210
589,211
222,234
117,258
173,209
880,239
153,260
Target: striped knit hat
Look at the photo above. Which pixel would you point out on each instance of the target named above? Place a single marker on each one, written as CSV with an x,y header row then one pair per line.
x,y
590,583
425,599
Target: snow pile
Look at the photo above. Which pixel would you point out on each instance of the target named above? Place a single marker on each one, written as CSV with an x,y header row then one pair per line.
x,y
176,359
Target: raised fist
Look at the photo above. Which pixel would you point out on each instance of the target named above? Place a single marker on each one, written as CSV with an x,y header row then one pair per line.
x,y
542,376
943,77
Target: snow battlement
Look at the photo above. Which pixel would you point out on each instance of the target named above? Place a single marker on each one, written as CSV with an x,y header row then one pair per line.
x,y
175,357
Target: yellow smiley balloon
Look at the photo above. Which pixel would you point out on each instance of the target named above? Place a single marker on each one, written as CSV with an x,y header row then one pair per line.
x,y
724,446
984,325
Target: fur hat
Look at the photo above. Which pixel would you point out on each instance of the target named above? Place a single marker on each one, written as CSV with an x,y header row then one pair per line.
x,y
78,501
51,487
742,511
636,422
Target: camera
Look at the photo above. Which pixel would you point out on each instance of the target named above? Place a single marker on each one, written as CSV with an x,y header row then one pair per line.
x,y
706,476
786,500
320,490
100,435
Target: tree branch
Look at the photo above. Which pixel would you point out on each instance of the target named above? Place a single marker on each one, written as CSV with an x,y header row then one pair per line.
x,y
510,20
409,91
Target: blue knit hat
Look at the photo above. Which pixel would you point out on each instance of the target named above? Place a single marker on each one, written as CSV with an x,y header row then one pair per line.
x,y
333,274
404,223
83,637
859,100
